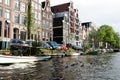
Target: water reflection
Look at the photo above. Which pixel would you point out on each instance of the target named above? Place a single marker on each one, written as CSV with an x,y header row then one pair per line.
x,y
57,73
100,67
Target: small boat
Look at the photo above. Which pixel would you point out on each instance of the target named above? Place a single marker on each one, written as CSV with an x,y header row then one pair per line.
x,y
75,54
21,59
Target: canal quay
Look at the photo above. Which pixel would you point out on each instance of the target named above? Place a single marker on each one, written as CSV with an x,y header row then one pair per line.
x,y
83,67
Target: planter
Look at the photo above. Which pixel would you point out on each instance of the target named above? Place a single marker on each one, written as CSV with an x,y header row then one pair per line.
x,y
7,52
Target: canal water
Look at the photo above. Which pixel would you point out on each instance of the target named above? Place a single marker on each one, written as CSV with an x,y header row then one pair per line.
x,y
85,67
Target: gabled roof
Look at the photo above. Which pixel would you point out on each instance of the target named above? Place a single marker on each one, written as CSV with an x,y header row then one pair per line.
x,y
60,8
86,24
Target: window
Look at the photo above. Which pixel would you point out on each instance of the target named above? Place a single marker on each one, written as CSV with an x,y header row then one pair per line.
x,y
43,34
15,33
39,22
36,6
7,29
23,35
39,1
16,20
39,16
7,2
23,7
1,11
33,5
7,14
17,5
50,16
44,15
43,23
50,25
35,15
1,1
0,27
23,20
47,24
39,7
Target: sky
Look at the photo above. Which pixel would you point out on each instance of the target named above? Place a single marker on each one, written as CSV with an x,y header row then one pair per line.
x,y
99,12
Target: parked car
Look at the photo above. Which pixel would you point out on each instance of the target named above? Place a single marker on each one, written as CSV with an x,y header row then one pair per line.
x,y
63,47
29,42
46,46
15,44
54,45
16,41
69,45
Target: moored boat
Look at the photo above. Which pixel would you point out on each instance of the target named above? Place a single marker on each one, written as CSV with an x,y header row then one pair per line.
x,y
75,54
21,59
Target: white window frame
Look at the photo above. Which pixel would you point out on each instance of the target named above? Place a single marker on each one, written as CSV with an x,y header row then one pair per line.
x,y
23,7
7,13
1,11
17,5
18,18
23,20
8,2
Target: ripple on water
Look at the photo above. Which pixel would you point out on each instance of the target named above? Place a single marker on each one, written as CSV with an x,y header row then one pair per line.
x,y
102,67
17,66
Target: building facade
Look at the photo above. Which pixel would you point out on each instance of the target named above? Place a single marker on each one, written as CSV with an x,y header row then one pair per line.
x,y
61,23
66,24
13,15
47,22
78,30
12,20
87,28
36,20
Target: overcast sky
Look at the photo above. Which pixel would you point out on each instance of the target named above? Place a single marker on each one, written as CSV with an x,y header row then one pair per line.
x,y
97,11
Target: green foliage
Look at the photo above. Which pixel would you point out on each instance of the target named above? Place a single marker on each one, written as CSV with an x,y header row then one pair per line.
x,y
29,19
36,44
3,51
45,50
106,33
93,53
71,50
36,48
36,51
116,42
101,34
86,47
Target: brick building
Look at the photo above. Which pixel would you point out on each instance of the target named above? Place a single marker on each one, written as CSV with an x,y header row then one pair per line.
x,y
13,18
47,22
66,24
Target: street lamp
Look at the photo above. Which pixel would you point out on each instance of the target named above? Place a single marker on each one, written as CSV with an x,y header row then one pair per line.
x,y
7,26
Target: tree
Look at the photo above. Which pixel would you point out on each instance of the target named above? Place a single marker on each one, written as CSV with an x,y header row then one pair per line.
x,y
106,34
29,21
93,38
101,34
117,40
